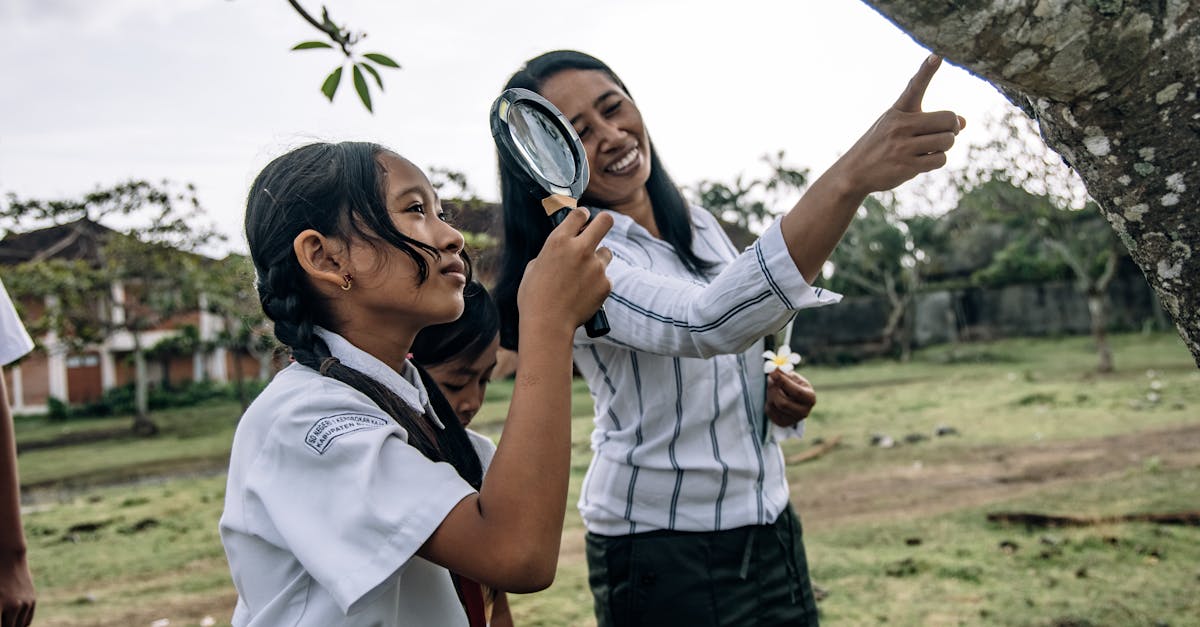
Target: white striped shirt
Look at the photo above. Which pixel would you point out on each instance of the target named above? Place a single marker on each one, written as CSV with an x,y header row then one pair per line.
x,y
678,383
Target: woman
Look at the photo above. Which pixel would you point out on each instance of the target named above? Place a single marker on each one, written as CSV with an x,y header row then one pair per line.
x,y
686,501
349,501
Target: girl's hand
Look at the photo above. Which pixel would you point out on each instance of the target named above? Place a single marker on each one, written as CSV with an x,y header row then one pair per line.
x,y
790,398
565,284
903,142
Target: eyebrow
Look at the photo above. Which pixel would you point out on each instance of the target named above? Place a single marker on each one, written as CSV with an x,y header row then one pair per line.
x,y
418,190
415,189
596,103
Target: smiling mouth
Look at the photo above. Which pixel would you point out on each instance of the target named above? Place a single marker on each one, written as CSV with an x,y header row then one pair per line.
x,y
624,163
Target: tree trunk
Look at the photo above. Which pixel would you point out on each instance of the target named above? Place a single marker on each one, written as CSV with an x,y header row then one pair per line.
x,y
1098,308
892,329
1115,88
142,425
239,377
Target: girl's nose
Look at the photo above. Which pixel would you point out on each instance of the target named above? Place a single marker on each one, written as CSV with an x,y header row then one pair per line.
x,y
451,240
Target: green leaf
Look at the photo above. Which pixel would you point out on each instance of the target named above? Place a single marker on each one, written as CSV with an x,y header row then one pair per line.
x,y
309,45
381,59
370,68
360,84
330,86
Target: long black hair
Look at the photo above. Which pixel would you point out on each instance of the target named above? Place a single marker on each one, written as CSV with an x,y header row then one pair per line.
x,y
466,337
525,223
339,190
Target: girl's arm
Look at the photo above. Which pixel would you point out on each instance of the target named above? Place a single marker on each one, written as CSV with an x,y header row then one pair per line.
x,y
507,536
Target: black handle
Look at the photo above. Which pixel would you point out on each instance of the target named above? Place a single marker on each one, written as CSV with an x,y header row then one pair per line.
x,y
597,325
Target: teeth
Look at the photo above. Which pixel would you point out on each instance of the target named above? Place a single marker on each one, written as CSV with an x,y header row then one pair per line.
x,y
625,161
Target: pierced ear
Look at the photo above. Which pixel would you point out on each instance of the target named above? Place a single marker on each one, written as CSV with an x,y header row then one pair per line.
x,y
321,257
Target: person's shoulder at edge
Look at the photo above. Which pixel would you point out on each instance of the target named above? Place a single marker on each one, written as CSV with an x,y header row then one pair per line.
x,y
702,218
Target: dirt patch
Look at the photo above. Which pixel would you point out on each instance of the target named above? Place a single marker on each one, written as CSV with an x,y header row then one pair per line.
x,y
79,437
984,475
189,610
976,477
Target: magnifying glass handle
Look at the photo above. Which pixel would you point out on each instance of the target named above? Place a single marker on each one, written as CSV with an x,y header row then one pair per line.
x,y
597,325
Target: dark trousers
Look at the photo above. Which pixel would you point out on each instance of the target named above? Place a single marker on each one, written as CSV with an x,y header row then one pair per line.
x,y
753,575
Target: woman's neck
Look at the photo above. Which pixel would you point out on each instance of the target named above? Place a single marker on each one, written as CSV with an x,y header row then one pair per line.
x,y
640,210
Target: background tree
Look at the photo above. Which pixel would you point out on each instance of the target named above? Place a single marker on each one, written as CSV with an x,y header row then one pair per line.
x,y
153,257
751,203
1020,183
1113,86
229,293
882,254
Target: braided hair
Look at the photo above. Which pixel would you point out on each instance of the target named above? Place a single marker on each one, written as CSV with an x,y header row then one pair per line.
x,y
339,190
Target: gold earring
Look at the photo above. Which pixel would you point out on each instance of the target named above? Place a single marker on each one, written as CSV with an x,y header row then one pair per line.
x,y
348,278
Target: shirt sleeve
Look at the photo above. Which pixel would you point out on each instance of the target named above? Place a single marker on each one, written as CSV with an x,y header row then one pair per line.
x,y
756,294
14,339
346,494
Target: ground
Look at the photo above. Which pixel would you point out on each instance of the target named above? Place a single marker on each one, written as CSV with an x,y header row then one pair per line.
x,y
895,535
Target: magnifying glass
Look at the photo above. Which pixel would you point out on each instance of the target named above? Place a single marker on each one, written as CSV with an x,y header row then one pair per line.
x,y
540,146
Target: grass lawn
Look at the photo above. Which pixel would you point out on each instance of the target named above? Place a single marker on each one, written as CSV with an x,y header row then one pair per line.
x,y
131,554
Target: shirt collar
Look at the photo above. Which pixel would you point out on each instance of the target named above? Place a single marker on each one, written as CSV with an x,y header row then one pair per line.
x,y
407,384
623,224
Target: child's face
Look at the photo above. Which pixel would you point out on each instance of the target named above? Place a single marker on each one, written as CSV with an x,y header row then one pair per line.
x,y
386,280
463,381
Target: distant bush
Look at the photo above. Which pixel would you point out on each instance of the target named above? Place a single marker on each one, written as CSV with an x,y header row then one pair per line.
x,y
121,400
56,410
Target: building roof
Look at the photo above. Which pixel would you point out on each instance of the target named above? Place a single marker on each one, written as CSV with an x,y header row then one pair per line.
x,y
79,240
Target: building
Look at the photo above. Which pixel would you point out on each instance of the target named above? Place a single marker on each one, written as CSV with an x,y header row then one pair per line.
x,y
55,369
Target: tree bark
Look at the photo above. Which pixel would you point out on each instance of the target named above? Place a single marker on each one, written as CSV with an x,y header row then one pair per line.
x,y
142,425
1115,88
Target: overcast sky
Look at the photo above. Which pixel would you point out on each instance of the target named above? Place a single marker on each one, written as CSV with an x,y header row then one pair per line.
x,y
206,91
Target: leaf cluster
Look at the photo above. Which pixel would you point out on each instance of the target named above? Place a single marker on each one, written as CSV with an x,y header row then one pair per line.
x,y
346,40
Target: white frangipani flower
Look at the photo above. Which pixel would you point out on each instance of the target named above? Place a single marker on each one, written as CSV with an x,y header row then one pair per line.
x,y
784,360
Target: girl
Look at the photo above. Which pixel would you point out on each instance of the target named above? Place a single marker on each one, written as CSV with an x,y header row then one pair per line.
x,y
686,499
461,355
349,501
456,360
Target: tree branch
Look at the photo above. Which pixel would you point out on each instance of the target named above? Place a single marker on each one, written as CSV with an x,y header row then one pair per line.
x,y
328,28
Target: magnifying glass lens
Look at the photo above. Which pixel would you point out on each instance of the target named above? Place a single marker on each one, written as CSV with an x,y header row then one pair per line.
x,y
541,144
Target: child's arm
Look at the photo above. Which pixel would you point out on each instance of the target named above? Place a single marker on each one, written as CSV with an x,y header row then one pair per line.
x,y
16,586
507,536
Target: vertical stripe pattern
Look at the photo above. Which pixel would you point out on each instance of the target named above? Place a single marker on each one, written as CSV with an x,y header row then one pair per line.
x,y
679,387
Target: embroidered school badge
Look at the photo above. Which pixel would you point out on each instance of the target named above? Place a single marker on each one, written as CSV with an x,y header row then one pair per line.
x,y
324,431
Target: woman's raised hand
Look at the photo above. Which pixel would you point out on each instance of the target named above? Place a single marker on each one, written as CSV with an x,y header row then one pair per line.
x,y
904,142
565,283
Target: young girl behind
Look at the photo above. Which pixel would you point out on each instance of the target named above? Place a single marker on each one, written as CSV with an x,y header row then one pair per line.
x,y
456,360
349,501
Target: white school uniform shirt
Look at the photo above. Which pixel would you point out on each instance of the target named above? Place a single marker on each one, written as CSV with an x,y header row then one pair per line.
x,y
15,342
327,504
680,439
484,448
